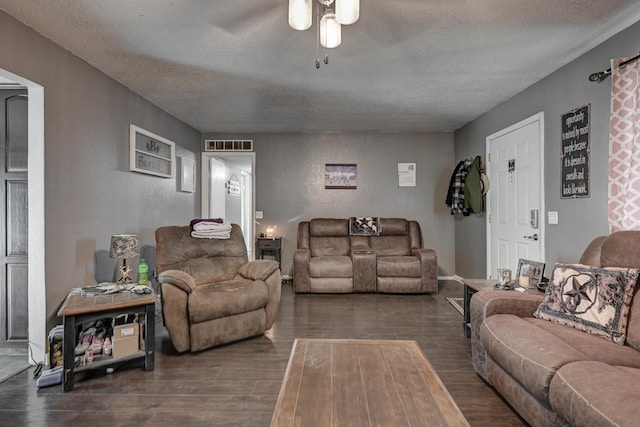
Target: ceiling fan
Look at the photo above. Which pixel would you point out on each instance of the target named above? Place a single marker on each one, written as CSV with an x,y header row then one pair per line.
x,y
380,20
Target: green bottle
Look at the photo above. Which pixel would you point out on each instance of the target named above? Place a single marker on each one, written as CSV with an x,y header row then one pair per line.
x,y
143,272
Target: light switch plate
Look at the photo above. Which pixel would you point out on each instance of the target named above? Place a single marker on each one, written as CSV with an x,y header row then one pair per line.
x,y
552,217
259,215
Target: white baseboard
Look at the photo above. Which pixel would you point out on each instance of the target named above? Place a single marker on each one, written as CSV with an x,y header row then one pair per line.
x,y
454,278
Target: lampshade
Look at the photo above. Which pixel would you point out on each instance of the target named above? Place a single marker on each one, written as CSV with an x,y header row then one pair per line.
x,y
271,229
330,31
347,11
124,246
300,14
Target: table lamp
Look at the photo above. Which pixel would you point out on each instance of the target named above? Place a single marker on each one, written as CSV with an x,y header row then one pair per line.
x,y
124,246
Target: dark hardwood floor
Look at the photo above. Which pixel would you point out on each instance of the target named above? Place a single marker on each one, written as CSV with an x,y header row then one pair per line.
x,y
238,384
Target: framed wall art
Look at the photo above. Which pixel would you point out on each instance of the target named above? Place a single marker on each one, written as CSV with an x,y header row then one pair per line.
x,y
151,153
575,153
341,176
187,175
406,174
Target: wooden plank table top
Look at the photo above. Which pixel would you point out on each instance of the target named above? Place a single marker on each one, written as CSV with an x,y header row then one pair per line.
x,y
331,382
76,303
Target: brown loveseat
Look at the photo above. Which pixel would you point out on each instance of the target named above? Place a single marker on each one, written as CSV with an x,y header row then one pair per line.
x,y
554,374
211,294
331,259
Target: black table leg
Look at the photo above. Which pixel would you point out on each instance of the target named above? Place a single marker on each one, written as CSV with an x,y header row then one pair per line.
x,y
149,337
466,328
68,352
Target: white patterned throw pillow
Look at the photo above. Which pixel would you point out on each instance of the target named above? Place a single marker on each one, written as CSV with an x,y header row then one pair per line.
x,y
593,300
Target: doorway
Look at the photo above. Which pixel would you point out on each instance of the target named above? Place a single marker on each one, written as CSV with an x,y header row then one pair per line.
x,y
37,301
515,224
227,191
14,292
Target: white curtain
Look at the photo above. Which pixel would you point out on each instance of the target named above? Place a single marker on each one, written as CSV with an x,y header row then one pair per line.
x,y
624,147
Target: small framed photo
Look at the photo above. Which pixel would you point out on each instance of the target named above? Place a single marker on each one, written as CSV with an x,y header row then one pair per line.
x,y
529,273
341,176
187,175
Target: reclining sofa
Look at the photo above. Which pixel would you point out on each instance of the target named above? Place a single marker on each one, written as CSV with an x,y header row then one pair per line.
x,y
548,369
331,258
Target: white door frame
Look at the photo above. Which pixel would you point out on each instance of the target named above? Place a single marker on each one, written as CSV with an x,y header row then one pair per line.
x,y
36,216
204,178
539,118
246,194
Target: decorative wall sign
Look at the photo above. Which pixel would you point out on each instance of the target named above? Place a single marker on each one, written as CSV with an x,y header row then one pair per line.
x,y
151,153
575,153
406,174
341,176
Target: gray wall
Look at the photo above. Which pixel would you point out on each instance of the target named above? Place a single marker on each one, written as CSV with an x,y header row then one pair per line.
x,y
290,183
89,192
579,219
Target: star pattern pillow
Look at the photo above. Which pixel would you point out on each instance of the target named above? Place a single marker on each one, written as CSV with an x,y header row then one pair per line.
x,y
593,300
364,226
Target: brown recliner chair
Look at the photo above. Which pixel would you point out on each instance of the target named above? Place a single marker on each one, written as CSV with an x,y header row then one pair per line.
x,y
211,293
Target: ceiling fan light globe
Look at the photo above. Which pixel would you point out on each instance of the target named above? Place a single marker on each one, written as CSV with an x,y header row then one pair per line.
x,y
330,31
300,14
347,11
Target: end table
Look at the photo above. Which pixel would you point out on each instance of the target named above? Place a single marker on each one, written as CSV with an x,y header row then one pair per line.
x,y
471,286
78,308
269,246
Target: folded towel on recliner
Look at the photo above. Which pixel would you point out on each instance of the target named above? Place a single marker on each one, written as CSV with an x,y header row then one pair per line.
x,y
209,226
211,234
207,220
215,228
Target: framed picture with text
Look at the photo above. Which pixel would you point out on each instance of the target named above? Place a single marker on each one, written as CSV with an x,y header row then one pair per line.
x,y
151,153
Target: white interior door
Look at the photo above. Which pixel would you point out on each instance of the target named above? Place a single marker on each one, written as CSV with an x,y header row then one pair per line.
x,y
515,202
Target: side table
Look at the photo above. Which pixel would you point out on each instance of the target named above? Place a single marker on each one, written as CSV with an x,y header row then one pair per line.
x,y
269,246
471,286
78,309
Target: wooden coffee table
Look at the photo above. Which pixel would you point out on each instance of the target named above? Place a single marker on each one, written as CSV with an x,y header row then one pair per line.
x,y
331,382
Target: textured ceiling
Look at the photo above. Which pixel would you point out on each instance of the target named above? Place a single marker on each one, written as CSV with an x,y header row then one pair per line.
x,y
406,65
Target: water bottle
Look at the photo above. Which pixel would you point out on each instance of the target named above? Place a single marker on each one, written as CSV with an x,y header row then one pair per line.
x,y
143,272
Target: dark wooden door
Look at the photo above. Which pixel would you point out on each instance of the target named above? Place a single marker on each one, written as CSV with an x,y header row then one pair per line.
x,y
14,319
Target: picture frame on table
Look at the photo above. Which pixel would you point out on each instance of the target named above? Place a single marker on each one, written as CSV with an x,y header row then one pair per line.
x,y
529,274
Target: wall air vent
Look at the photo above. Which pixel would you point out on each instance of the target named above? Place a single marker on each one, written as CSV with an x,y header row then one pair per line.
x,y
228,145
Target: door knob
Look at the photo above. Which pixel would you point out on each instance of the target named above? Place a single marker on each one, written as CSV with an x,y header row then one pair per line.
x,y
534,237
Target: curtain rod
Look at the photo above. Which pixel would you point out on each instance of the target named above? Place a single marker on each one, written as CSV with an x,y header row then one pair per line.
x,y
602,75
